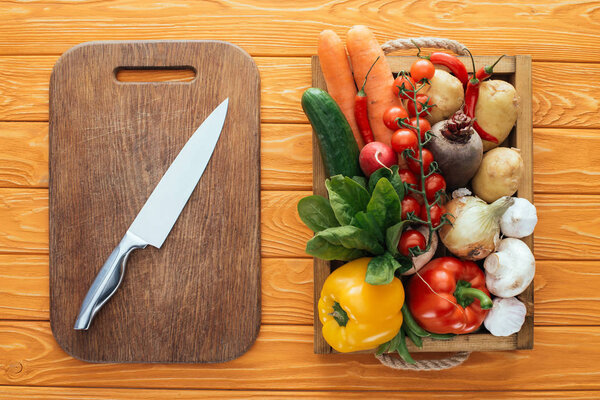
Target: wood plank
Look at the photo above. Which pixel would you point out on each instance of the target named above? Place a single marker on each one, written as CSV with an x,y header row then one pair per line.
x,y
31,357
286,289
556,102
24,287
566,229
66,393
565,291
286,157
563,31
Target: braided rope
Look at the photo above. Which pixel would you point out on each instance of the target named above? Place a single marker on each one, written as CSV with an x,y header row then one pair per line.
x,y
424,365
431,42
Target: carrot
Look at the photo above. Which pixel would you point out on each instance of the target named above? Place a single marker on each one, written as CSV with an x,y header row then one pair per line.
x,y
338,76
364,50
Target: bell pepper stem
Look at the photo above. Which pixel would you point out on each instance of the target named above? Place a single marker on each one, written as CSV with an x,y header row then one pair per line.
x,y
339,314
465,295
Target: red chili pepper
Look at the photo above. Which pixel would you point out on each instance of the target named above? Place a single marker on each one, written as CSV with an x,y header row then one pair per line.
x,y
453,64
471,97
483,134
487,71
449,296
360,111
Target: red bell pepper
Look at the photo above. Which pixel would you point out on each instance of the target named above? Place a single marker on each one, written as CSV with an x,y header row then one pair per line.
x,y
454,298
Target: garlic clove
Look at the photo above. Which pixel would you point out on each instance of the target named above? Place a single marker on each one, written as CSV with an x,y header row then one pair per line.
x,y
506,317
510,270
519,220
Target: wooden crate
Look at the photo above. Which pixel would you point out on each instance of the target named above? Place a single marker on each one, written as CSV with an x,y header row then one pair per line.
x,y
516,70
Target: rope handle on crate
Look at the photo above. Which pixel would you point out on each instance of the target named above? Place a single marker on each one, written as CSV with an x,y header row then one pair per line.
x,y
424,365
430,42
460,357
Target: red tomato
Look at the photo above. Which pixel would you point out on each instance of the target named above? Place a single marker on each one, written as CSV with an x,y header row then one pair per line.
x,y
410,204
404,139
407,177
410,105
422,69
411,238
424,126
436,213
415,167
433,184
408,83
391,115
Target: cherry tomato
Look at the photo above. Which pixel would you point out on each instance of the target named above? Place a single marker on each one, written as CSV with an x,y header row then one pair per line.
x,y
411,238
408,83
436,212
410,204
391,115
424,125
415,167
407,177
433,184
422,69
404,139
410,105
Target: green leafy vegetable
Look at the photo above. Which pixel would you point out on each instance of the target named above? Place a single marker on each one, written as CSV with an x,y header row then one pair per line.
x,y
361,180
343,243
392,237
347,198
367,222
316,213
380,270
393,177
385,204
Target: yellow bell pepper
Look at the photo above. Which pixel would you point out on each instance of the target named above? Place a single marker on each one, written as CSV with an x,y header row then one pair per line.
x,y
356,315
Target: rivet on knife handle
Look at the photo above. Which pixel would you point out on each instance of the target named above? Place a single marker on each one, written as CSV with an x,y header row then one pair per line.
x,y
108,280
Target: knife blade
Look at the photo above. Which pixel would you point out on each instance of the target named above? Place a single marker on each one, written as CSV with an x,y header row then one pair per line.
x,y
155,220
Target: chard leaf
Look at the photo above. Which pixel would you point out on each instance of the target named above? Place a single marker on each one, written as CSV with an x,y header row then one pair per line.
x,y
380,270
343,243
385,204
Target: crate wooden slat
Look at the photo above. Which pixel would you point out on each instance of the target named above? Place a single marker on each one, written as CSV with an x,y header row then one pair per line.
x,y
516,70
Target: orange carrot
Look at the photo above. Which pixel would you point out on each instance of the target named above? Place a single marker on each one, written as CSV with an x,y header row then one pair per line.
x,y
338,76
364,50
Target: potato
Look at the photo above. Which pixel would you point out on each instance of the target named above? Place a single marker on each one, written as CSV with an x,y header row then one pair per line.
x,y
499,174
496,110
448,95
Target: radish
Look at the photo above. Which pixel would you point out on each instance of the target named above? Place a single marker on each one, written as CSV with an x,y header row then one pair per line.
x,y
376,155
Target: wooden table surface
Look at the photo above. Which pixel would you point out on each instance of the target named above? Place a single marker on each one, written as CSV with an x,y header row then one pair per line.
x,y
562,38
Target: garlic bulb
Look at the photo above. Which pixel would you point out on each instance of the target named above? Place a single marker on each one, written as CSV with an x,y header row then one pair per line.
x,y
506,317
519,220
420,261
475,228
510,270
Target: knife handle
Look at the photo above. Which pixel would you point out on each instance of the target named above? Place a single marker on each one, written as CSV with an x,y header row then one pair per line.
x,y
108,280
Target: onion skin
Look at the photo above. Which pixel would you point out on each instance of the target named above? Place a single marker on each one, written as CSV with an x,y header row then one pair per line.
x,y
458,161
465,243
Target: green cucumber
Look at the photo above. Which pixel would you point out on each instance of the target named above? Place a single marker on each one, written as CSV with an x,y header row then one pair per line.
x,y
336,141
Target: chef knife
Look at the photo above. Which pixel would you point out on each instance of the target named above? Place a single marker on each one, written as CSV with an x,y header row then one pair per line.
x,y
156,218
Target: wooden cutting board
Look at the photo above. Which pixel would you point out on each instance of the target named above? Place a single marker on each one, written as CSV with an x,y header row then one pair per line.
x,y
197,299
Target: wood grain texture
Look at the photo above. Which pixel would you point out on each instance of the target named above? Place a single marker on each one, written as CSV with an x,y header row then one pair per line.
x,y
283,358
557,103
24,287
562,31
286,157
565,291
110,144
65,393
566,228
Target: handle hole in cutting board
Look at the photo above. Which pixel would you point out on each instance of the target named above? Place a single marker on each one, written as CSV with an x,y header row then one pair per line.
x,y
185,74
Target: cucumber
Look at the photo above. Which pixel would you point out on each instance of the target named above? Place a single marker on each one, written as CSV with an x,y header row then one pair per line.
x,y
336,141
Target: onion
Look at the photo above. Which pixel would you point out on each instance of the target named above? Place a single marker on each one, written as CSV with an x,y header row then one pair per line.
x,y
475,228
